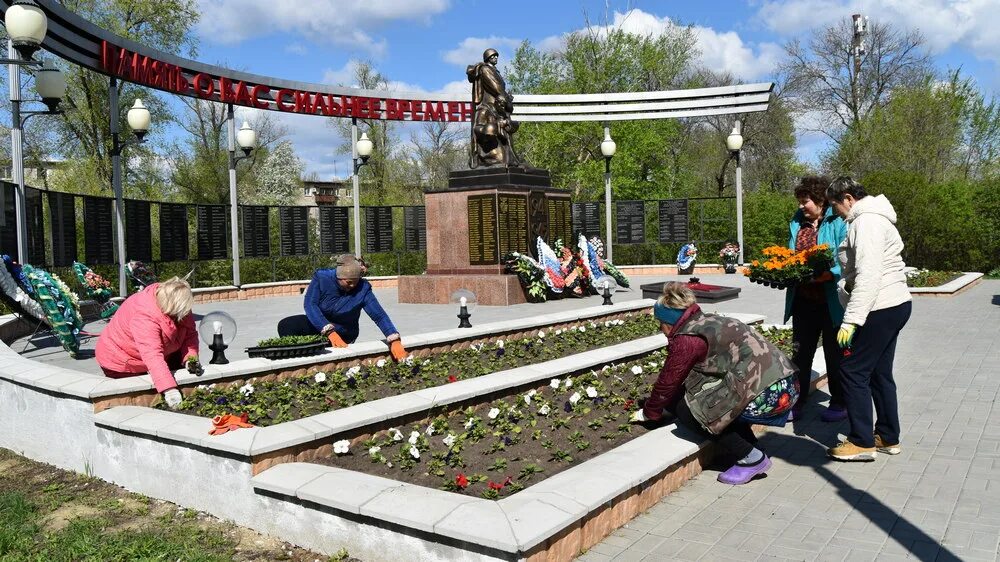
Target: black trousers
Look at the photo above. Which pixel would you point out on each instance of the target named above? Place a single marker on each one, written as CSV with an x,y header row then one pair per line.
x,y
810,321
866,374
737,439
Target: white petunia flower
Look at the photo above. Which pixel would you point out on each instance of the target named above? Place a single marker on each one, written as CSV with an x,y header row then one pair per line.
x,y
449,440
554,383
591,392
429,430
469,423
397,435
636,369
246,389
202,387
605,368
409,360
211,386
494,412
372,451
532,392
500,344
574,398
544,410
582,328
527,399
568,383
414,452
413,437
380,363
541,334
592,325
559,331
319,377
341,447
353,371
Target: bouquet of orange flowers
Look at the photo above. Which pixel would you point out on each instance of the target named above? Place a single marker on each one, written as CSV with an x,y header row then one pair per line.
x,y
784,267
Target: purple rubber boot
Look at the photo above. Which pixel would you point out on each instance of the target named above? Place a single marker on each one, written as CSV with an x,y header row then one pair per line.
x,y
740,474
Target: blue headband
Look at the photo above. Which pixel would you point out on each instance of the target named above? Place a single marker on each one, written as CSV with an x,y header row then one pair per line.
x,y
667,315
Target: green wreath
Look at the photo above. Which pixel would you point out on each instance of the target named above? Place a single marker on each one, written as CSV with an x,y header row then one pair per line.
x,y
59,305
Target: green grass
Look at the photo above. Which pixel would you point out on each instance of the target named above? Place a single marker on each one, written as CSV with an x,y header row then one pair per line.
x,y
89,539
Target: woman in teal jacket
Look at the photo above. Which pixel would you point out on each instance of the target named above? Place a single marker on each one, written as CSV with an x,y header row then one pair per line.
x,y
814,306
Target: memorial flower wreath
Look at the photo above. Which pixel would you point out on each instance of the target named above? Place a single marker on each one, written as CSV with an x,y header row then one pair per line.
x,y
562,271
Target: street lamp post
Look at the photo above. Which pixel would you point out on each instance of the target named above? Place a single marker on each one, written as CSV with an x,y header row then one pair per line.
x,y
247,141
608,149
734,142
26,26
138,120
361,150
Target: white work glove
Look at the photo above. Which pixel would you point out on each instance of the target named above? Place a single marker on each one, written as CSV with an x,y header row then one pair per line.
x,y
638,417
173,398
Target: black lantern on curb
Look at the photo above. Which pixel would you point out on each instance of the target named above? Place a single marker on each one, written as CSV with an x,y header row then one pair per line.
x,y
466,301
217,329
608,286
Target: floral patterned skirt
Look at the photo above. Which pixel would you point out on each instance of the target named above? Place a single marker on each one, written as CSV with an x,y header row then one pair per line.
x,y
772,406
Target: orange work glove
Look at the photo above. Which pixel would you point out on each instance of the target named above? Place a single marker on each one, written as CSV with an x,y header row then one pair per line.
x,y
336,340
398,351
229,422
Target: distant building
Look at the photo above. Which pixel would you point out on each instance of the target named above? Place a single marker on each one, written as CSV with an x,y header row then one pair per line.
x,y
336,192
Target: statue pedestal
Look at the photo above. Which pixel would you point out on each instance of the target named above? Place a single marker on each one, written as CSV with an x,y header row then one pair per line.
x,y
483,215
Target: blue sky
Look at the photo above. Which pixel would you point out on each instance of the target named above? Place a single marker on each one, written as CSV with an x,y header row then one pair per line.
x,y
425,44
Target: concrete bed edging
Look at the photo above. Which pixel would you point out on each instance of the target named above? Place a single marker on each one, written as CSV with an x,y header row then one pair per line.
x,y
222,486
952,288
91,386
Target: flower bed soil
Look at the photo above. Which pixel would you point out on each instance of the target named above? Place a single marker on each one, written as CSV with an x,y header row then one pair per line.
x,y
925,278
498,448
276,401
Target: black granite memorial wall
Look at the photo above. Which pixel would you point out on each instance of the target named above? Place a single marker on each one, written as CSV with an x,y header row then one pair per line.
x,y
630,227
673,221
174,238
294,228
415,229
256,231
378,229
98,229
62,210
213,226
138,232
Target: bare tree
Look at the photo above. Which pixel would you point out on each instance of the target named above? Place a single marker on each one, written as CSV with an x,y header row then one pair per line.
x,y
437,149
821,78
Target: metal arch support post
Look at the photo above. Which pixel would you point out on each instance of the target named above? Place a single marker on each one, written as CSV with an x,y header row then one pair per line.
x,y
354,181
607,203
116,185
233,204
17,157
739,197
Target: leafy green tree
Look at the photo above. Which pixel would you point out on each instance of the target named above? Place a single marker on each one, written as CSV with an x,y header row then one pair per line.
x,y
84,129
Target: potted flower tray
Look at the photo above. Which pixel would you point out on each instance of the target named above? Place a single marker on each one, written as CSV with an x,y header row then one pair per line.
x,y
288,347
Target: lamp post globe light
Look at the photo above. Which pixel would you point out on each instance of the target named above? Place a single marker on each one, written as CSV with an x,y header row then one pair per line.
x,y
361,151
246,140
734,142
26,26
138,119
608,149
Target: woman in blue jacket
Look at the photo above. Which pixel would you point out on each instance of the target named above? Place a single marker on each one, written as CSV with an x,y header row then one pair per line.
x,y
814,306
333,304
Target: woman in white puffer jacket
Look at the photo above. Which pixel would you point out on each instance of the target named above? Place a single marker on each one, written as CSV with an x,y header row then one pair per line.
x,y
876,307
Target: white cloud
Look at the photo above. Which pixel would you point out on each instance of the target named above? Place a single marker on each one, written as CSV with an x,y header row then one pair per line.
x,y
338,22
470,50
720,51
943,23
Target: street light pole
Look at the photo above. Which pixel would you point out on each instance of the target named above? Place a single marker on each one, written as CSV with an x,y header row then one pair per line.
x,y
246,140
734,142
16,156
233,209
608,149
116,185
354,186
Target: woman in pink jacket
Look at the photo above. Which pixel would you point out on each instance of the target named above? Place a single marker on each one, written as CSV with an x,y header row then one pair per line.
x,y
152,332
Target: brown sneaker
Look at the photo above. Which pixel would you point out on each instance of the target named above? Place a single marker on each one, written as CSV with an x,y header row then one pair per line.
x,y
883,447
847,451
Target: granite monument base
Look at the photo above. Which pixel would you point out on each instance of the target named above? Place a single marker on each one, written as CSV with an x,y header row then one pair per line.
x,y
490,290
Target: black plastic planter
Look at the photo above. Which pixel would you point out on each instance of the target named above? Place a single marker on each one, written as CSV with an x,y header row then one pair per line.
x,y
288,351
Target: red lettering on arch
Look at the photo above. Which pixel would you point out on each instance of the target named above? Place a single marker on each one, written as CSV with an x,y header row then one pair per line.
x,y
279,100
435,111
319,104
256,93
226,94
303,102
204,86
242,94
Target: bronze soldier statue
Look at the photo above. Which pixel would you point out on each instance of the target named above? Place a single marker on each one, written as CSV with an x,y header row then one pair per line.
x,y
492,142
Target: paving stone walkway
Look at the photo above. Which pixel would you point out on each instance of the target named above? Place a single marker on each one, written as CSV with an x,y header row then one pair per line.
x,y
938,500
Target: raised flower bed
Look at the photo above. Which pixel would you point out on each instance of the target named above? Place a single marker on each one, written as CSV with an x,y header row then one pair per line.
x,y
930,278
287,347
276,401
